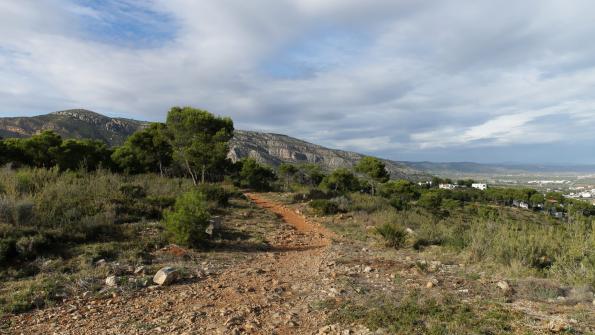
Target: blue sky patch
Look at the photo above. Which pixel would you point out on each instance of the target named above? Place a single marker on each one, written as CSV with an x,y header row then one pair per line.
x,y
317,51
125,23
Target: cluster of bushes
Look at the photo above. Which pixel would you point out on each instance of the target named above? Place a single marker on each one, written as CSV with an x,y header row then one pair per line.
x,y
477,223
44,211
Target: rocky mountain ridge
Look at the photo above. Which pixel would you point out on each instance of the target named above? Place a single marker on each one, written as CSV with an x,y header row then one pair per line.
x,y
73,123
267,148
274,149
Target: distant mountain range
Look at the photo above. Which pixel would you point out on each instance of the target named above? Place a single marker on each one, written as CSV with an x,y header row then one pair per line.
x,y
74,123
272,149
268,148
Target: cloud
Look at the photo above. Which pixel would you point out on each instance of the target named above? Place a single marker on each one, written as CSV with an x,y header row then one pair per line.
x,y
401,79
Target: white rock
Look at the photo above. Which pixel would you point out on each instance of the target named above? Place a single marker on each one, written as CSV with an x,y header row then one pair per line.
x,y
111,281
368,269
503,285
166,276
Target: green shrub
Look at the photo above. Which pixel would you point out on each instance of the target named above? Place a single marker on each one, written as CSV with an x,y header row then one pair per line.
x,y
7,249
29,247
187,222
399,203
394,236
32,294
367,203
341,180
313,194
324,207
255,176
133,191
23,212
6,210
215,193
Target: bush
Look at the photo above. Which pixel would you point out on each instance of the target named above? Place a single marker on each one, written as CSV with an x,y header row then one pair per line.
x,y
215,193
29,247
367,203
341,180
7,249
256,176
324,207
23,212
6,210
189,219
133,191
394,236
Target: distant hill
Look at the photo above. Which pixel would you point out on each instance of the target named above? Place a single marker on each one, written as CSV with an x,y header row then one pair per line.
x,y
268,148
274,149
469,168
74,123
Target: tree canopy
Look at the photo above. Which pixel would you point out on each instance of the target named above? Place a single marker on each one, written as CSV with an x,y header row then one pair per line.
x,y
199,141
147,150
373,168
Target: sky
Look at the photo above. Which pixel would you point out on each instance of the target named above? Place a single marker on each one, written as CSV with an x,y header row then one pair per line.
x,y
464,80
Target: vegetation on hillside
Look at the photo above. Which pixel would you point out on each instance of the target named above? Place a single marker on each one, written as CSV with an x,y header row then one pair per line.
x,y
67,204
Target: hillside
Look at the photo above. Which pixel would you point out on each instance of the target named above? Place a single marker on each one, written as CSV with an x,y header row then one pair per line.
x,y
271,149
74,123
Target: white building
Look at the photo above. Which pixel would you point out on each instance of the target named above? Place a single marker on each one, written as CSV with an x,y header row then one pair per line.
x,y
480,186
447,186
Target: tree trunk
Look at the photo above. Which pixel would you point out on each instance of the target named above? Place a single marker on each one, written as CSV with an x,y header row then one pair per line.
x,y
202,179
190,172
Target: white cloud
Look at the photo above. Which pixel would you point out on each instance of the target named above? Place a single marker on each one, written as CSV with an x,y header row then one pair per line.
x,y
416,75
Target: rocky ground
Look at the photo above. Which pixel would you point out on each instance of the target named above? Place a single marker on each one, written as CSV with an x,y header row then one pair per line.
x,y
305,280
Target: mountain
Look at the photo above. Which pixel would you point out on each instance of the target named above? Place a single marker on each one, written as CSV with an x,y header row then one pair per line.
x,y
272,149
73,123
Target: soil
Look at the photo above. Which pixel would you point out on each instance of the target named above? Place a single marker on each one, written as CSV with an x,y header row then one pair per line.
x,y
278,289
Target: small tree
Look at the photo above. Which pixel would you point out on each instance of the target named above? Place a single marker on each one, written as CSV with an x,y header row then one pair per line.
x,y
147,150
311,174
41,150
188,221
199,141
374,169
256,176
341,180
430,200
537,199
287,171
90,154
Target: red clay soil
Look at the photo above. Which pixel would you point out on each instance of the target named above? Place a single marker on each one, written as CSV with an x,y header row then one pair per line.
x,y
288,215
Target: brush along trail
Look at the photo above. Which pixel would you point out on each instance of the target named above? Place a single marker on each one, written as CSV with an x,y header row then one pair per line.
x,y
302,278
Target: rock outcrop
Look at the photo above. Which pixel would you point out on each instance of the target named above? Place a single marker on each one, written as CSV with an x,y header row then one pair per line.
x,y
274,149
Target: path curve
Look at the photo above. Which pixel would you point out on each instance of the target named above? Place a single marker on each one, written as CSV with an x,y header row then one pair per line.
x,y
292,217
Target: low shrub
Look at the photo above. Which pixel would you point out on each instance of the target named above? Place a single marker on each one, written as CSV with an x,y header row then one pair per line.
x,y
23,212
324,207
367,203
215,193
313,194
187,222
393,235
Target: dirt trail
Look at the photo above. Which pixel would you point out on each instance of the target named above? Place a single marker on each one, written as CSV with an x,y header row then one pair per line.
x,y
290,216
268,293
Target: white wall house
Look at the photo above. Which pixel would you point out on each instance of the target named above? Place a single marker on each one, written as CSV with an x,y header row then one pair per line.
x,y
447,186
479,186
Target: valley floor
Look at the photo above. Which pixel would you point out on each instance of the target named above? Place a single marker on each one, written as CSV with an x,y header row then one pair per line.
x,y
309,280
